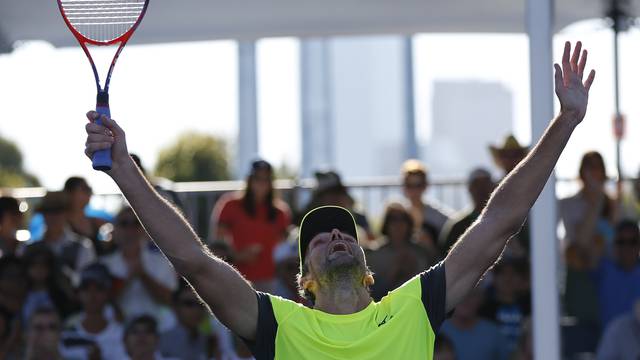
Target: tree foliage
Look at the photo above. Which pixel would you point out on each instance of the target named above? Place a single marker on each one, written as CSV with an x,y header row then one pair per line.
x,y
194,157
11,172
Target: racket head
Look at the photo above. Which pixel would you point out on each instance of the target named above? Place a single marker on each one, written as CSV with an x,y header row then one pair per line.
x,y
102,22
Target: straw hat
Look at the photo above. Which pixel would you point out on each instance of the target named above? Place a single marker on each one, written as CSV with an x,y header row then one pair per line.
x,y
510,145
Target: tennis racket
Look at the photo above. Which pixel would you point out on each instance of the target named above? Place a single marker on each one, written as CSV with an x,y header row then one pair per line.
x,y
102,22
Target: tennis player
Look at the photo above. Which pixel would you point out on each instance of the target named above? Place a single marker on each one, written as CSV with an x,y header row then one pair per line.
x,y
344,322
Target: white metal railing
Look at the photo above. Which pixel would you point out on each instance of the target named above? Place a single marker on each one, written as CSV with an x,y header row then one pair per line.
x,y
371,195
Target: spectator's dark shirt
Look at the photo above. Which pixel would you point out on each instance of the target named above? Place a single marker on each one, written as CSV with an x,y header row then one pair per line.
x,y
178,343
508,317
617,289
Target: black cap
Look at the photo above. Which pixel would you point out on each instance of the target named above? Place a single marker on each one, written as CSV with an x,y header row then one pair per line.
x,y
260,164
324,219
96,273
53,202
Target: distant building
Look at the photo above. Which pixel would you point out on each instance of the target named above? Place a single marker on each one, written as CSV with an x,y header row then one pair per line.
x,y
354,121
467,117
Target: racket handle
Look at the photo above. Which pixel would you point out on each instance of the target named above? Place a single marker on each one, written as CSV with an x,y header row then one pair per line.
x,y
101,159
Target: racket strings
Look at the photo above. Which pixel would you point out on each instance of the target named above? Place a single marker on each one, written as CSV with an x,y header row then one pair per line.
x,y
102,20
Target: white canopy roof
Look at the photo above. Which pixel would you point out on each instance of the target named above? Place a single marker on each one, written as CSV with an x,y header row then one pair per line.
x,y
188,20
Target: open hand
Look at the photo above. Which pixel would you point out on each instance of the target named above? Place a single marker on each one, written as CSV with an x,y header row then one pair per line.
x,y
572,92
106,136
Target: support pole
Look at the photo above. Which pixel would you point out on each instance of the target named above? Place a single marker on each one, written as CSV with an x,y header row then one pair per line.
x,y
544,248
318,132
411,143
247,108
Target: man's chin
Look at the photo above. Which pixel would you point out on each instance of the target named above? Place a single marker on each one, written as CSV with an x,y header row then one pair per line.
x,y
342,263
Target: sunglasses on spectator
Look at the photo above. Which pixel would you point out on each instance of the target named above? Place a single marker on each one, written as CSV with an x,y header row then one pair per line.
x,y
263,179
414,185
190,303
141,330
627,242
396,217
46,327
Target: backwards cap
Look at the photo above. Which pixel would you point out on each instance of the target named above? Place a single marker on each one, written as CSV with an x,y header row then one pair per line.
x,y
324,219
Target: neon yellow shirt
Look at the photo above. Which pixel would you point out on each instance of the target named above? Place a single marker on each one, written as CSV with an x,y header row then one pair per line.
x,y
402,325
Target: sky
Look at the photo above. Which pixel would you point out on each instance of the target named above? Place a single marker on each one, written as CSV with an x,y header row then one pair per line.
x,y
159,91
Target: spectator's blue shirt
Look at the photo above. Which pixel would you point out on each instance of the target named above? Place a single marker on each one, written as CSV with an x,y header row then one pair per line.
x,y
617,289
482,342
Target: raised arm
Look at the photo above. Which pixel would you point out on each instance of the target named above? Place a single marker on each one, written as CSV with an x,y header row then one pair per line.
x,y
481,245
228,295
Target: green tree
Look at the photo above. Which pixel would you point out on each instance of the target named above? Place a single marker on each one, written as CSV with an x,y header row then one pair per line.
x,y
11,172
194,157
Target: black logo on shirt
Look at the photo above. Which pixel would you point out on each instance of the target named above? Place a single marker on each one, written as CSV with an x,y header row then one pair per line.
x,y
384,321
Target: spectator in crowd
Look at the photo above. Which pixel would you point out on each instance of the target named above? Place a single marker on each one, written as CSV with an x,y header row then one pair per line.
x,y
44,338
588,215
141,339
48,286
94,323
10,331
79,194
630,202
72,250
10,221
444,349
253,222
508,303
480,186
187,340
330,190
588,219
399,257
618,278
525,344
473,337
621,339
509,155
144,276
168,194
428,218
13,285
287,263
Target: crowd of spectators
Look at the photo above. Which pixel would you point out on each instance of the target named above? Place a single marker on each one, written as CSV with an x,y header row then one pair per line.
x,y
98,288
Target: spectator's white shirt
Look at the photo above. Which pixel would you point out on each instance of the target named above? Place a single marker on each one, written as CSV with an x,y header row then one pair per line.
x,y
108,340
135,299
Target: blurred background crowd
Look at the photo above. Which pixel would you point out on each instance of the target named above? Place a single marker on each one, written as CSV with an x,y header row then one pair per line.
x,y
92,285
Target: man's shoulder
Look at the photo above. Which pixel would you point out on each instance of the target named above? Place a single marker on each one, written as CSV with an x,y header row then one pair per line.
x,y
229,201
432,207
283,308
281,206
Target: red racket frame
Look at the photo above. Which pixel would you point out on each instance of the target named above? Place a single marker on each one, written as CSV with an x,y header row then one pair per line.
x,y
123,39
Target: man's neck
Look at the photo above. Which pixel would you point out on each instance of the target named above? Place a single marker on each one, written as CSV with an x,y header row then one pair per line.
x,y
52,235
147,356
94,322
8,241
342,299
465,323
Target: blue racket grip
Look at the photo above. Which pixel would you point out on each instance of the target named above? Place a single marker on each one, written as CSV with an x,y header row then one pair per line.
x,y
101,159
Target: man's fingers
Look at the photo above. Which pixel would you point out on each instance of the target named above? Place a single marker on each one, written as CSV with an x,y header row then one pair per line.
x,y
97,138
93,128
582,64
575,57
90,148
566,65
589,81
558,76
92,115
112,125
